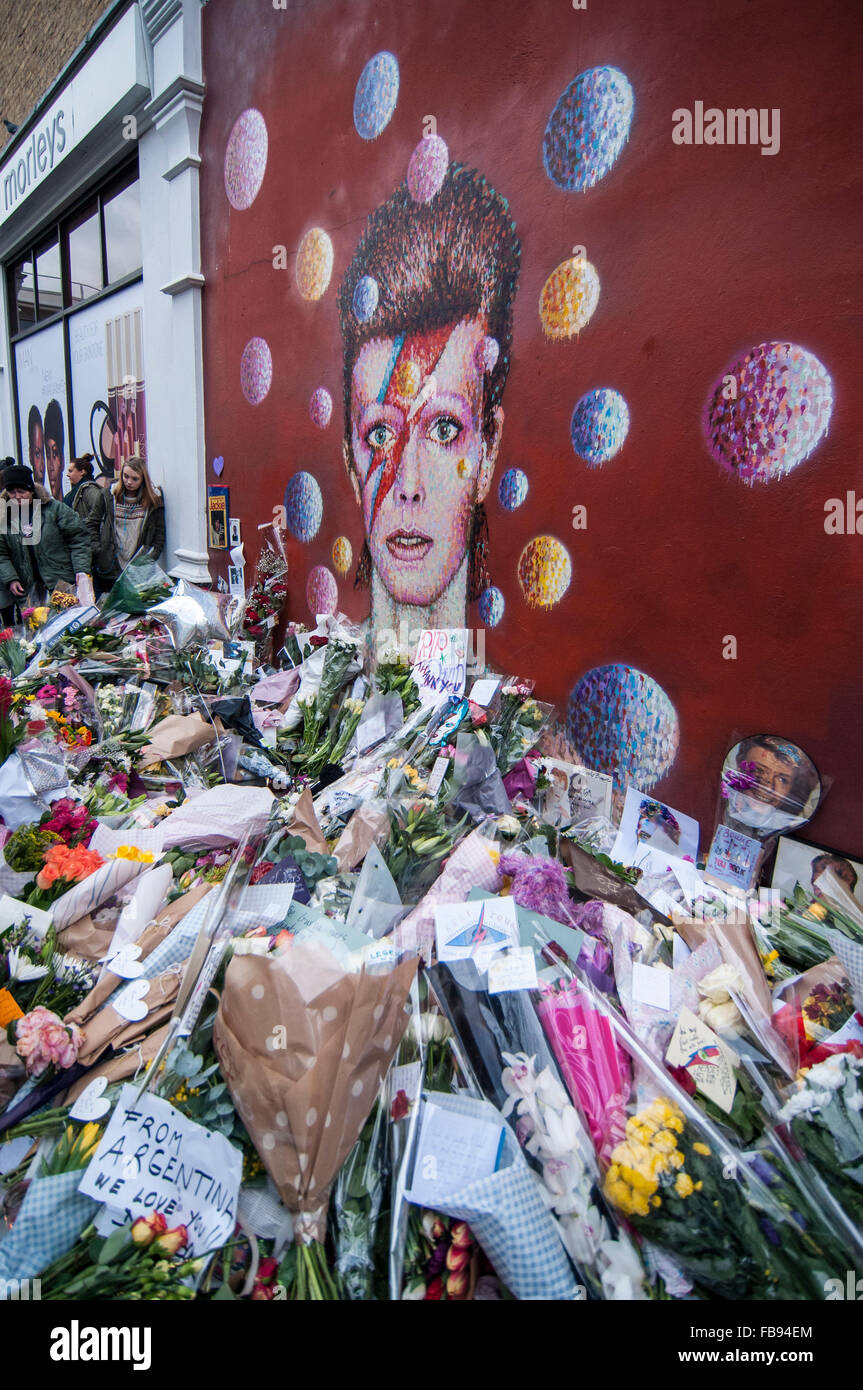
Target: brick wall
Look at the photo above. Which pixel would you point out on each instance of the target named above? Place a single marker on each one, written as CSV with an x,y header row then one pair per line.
x,y
37,39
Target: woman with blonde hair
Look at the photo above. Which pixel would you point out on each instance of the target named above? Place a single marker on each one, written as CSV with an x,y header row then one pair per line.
x,y
136,512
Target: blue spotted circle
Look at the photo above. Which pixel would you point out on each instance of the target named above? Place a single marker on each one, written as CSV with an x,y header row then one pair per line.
x,y
587,129
512,489
600,424
365,299
304,506
491,606
376,95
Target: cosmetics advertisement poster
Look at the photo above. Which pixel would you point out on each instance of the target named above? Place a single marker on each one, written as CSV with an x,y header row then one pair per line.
x,y
106,348
42,406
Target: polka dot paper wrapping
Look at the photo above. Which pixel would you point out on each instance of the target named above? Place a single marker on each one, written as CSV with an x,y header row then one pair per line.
x,y
304,1048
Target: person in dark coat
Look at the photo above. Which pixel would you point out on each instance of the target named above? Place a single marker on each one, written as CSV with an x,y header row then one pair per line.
x,y
42,544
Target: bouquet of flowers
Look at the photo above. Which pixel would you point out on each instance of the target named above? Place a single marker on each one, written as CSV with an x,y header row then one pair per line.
x,y
518,723
825,1117
14,654
62,867
304,1045
11,733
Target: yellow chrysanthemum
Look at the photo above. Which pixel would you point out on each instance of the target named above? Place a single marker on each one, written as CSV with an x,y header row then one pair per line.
x,y
702,1149
676,1159
664,1141
683,1185
640,1204
656,1201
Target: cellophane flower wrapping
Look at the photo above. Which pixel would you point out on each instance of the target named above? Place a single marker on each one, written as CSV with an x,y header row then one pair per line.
x,y
596,1071
304,1045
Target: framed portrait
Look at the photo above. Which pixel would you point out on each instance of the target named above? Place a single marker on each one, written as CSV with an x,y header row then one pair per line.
x,y
218,517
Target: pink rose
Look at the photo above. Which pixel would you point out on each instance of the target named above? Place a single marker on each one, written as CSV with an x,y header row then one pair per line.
x,y
44,1040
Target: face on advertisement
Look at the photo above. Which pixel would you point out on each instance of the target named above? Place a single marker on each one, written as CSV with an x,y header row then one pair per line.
x,y
420,462
37,447
55,464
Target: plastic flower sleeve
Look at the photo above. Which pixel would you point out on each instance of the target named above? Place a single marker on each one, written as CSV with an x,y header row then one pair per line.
x,y
357,1205
724,1218
509,1219
141,585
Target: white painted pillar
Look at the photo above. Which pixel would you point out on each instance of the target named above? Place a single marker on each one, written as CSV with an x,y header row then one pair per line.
x,y
169,165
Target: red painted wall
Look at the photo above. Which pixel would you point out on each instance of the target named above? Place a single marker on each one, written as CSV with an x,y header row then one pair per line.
x,y
702,252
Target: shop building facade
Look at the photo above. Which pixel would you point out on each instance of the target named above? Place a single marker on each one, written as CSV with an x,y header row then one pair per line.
x,y
101,283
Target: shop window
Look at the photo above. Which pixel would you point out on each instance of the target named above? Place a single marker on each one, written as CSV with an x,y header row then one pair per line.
x,y
22,293
49,286
122,215
85,256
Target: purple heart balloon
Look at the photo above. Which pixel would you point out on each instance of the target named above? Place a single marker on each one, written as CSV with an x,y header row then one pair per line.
x,y
218,465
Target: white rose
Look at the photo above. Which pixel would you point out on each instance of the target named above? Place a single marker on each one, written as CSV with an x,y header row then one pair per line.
x,y
722,1018
717,985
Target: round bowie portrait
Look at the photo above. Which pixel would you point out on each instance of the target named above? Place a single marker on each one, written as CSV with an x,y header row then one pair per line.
x,y
768,786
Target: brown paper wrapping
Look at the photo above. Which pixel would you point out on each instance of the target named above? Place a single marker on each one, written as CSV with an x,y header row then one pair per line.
x,y
107,1028
119,1068
304,822
148,941
87,938
369,824
597,881
178,734
305,1103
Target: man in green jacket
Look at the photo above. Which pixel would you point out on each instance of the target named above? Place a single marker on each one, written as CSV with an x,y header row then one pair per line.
x,y
57,547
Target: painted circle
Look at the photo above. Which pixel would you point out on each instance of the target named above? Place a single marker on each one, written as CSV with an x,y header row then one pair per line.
x,y
768,411
365,299
491,606
343,554
322,591
544,571
321,407
588,128
622,722
245,159
256,370
376,95
485,354
569,297
304,506
427,168
408,378
314,263
600,424
512,489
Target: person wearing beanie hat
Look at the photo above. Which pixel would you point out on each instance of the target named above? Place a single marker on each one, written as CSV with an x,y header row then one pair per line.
x,y
45,543
18,477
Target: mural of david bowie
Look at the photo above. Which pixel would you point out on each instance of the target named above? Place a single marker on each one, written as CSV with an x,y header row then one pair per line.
x,y
423,383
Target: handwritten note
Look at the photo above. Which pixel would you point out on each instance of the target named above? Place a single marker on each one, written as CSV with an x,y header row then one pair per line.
x,y
514,969
452,1151
709,1062
440,664
152,1158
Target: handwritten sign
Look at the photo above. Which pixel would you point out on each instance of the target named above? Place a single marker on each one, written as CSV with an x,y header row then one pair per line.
x,y
709,1062
152,1158
440,664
